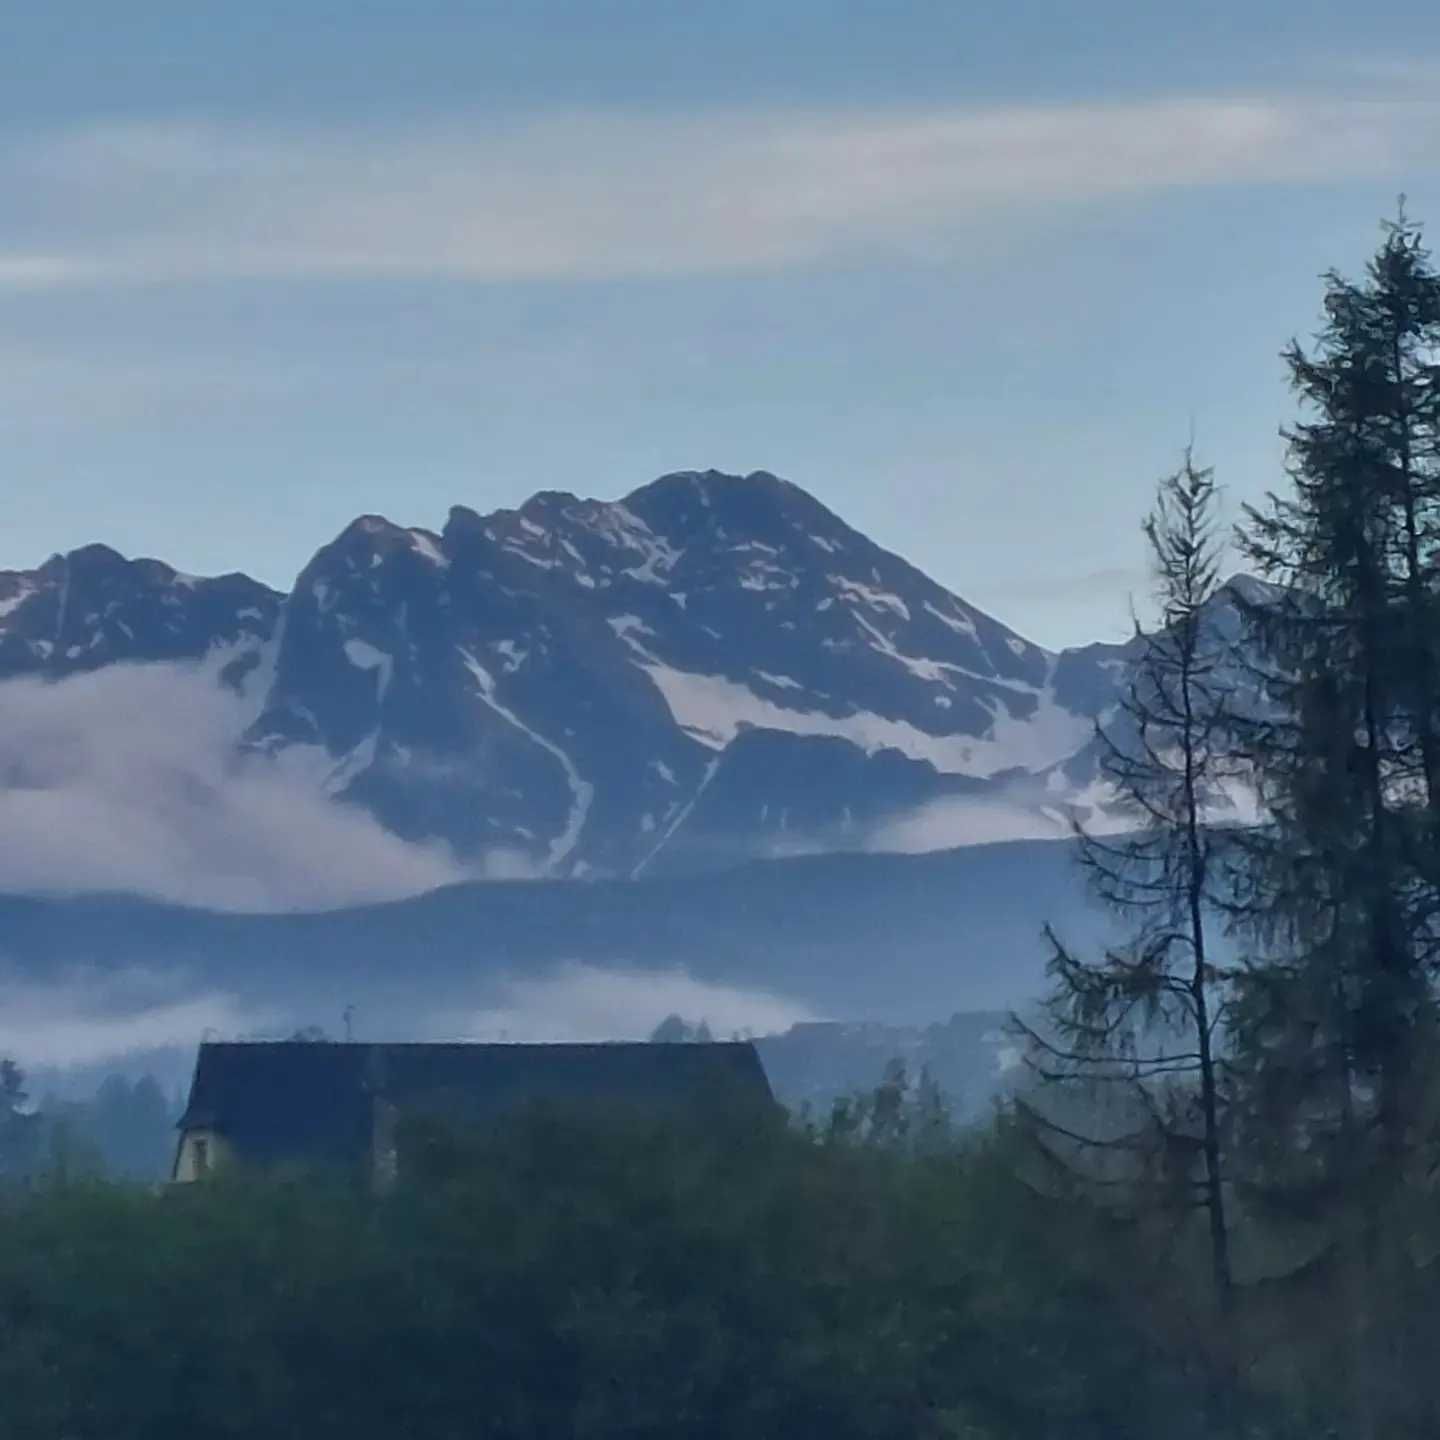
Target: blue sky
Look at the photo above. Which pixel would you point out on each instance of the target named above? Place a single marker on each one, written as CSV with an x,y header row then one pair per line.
x,y
969,273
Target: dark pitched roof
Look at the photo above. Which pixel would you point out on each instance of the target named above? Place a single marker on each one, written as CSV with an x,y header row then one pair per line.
x,y
277,1099
283,1099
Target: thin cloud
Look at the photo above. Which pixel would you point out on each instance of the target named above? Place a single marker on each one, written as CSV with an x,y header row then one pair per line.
x,y
612,194
42,272
1024,810
952,822
86,1018
581,1002
128,780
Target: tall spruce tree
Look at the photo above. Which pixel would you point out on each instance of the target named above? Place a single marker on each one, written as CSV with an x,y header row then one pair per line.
x,y
1341,884
1145,1014
1338,888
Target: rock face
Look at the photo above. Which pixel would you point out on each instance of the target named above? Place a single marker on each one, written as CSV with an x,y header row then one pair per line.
x,y
714,668
93,608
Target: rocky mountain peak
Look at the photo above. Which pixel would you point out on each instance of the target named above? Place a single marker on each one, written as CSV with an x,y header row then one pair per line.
x,y
94,607
713,666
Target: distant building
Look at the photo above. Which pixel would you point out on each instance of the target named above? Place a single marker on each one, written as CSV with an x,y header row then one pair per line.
x,y
320,1103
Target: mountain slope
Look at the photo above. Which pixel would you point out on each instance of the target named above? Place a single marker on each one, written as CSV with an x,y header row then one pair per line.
x,y
900,938
715,667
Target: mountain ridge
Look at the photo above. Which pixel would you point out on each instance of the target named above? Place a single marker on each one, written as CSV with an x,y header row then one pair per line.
x,y
710,669
893,937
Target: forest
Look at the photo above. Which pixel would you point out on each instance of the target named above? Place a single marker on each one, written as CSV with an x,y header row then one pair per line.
x,y
1210,1209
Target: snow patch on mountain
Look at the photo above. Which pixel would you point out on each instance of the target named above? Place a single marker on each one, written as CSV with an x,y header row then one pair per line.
x,y
582,792
680,814
960,624
624,530
365,656
780,682
428,548
539,561
355,762
714,710
868,595
628,629
512,654
933,672
11,603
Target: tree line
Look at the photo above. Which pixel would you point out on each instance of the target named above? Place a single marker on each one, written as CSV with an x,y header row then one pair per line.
x,y
1258,1051
569,1274
124,1131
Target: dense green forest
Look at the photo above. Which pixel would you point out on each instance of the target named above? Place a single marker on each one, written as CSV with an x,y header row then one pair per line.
x,y
1210,1211
565,1277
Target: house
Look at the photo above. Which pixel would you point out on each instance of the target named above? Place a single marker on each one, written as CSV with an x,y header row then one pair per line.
x,y
267,1103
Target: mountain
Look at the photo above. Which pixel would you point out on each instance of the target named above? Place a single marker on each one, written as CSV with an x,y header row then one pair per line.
x,y
91,608
848,960
901,939
712,669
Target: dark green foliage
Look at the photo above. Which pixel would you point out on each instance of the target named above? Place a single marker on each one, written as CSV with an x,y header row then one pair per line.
x,y
898,1115
813,1063
563,1277
1335,1030
1340,890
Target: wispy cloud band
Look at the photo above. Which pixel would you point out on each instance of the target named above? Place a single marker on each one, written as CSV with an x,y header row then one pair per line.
x,y
612,194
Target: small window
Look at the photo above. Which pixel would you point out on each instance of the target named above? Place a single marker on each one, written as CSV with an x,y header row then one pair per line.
x,y
200,1151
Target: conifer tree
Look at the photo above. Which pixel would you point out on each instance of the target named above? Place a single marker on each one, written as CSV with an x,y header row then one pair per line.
x,y
1341,885
1339,888
1145,1014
